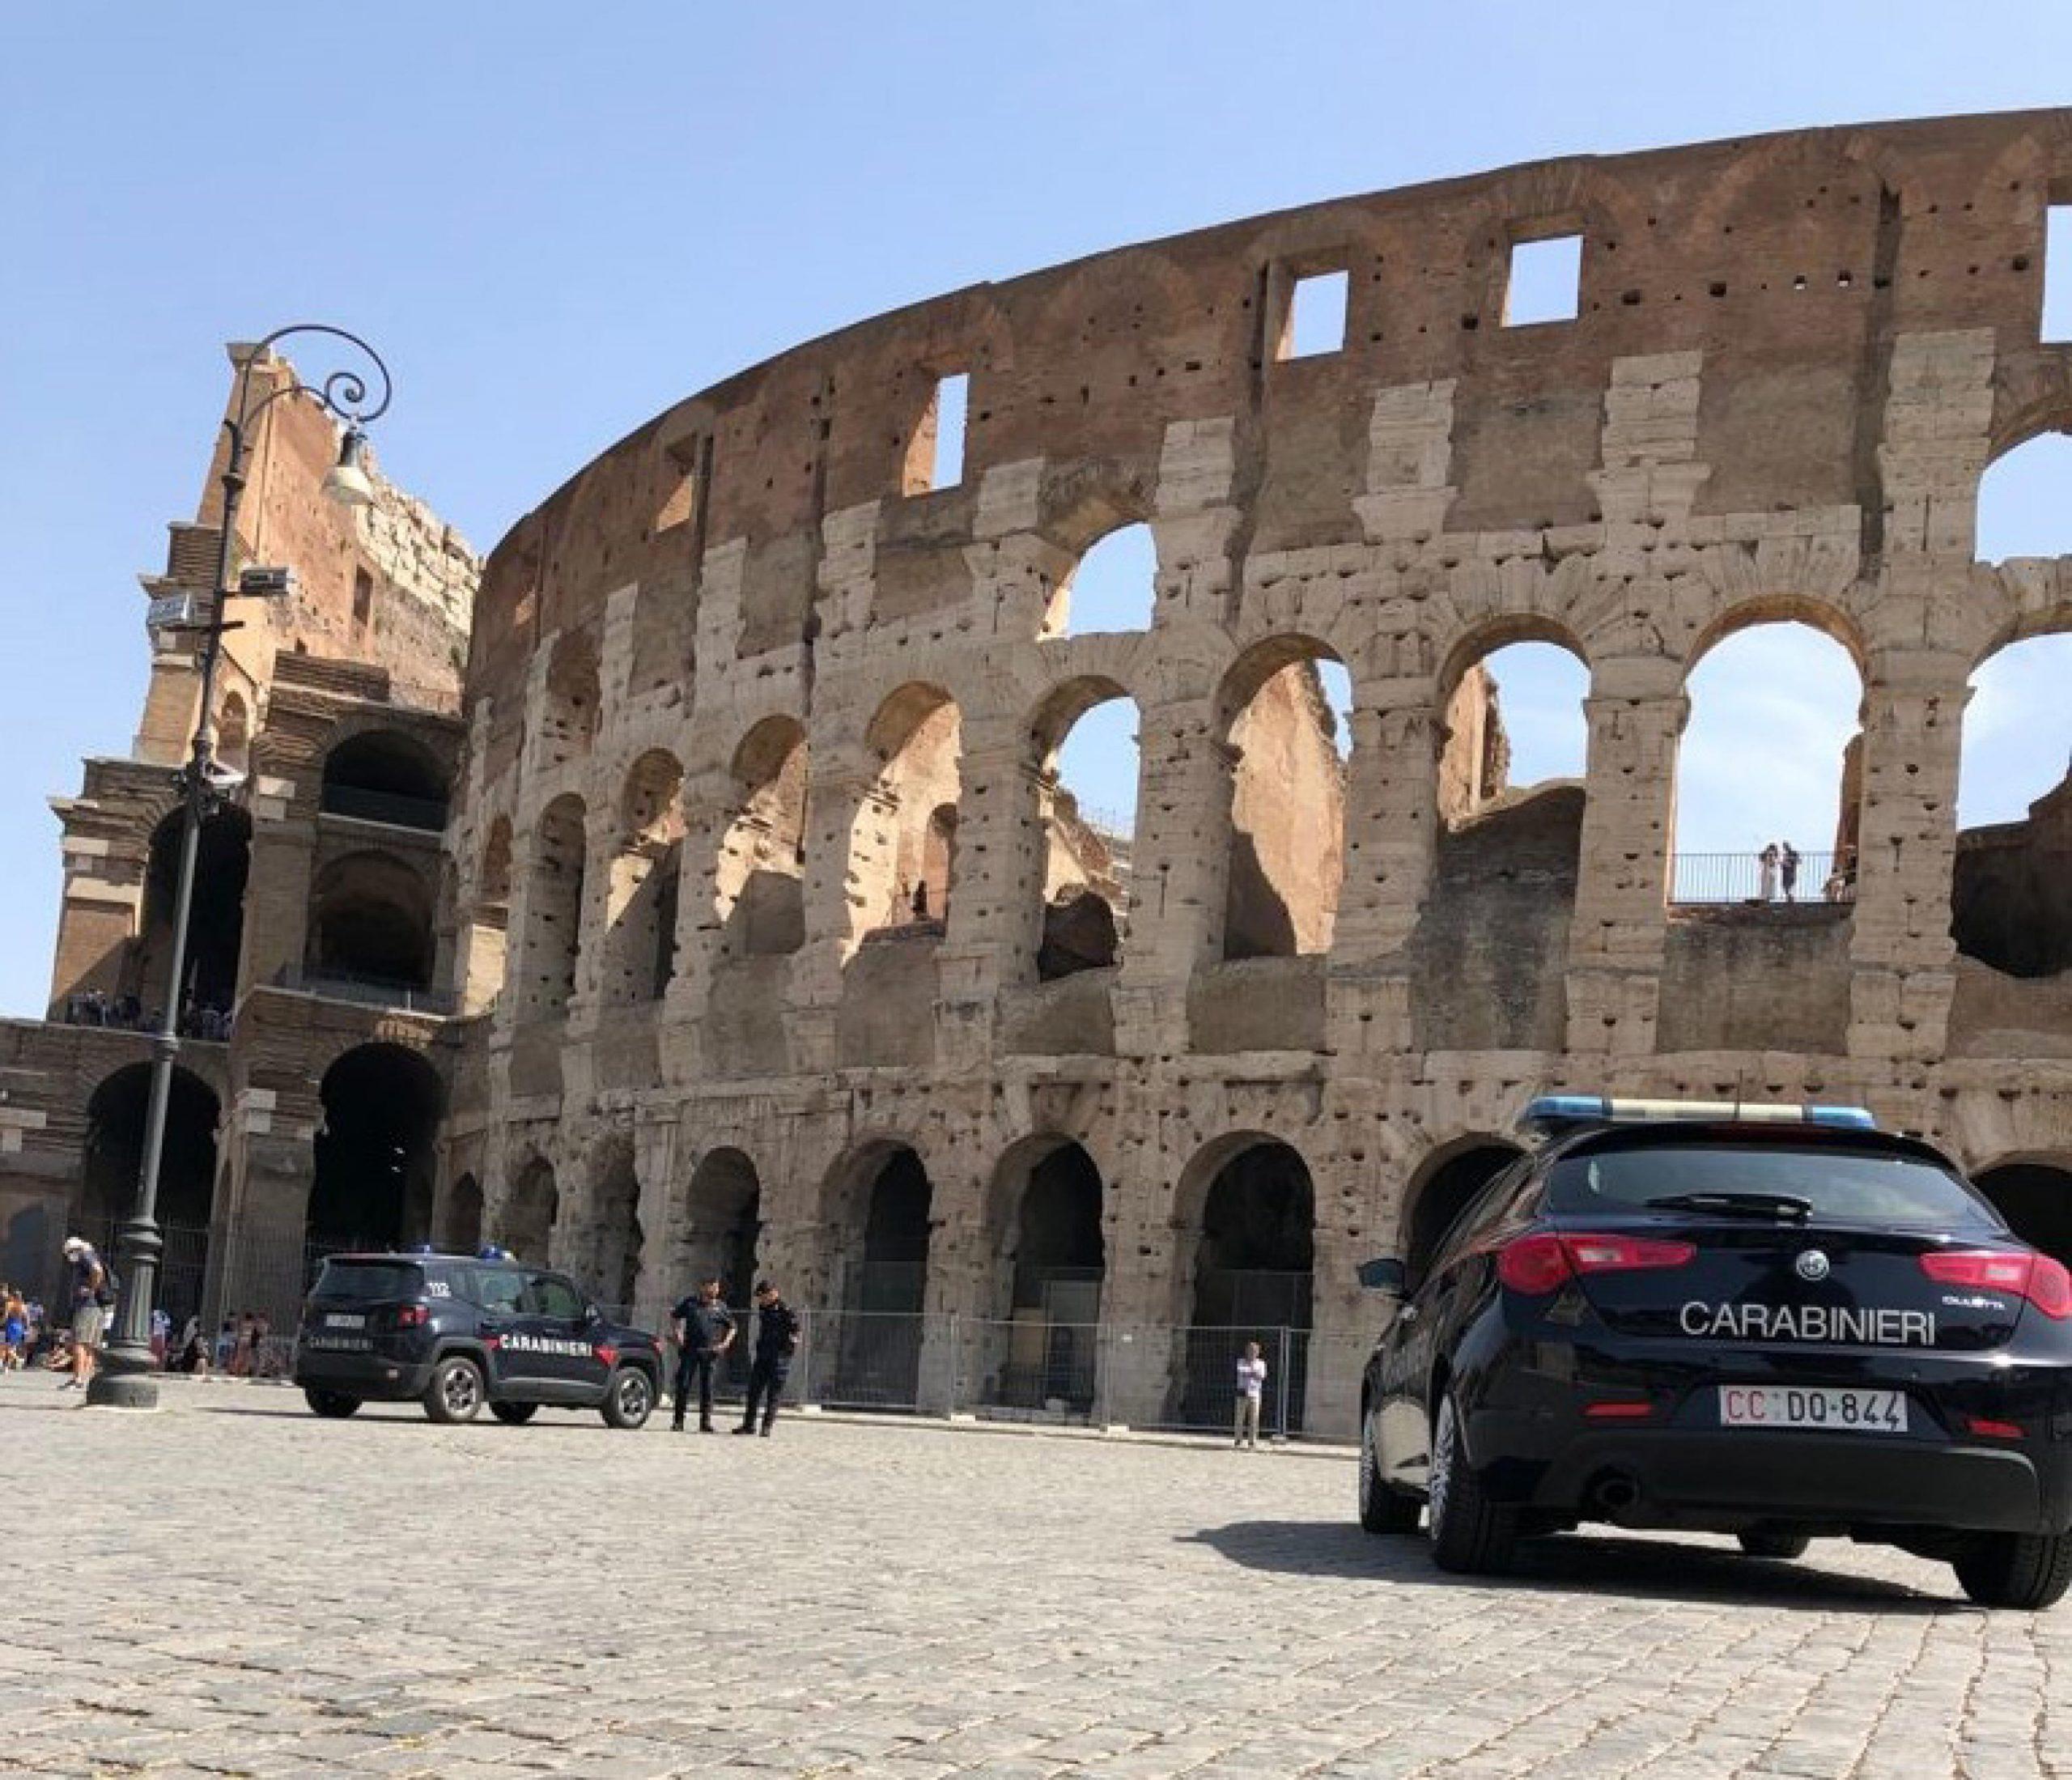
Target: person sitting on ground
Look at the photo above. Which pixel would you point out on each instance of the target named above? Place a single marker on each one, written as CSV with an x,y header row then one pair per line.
x,y
190,1354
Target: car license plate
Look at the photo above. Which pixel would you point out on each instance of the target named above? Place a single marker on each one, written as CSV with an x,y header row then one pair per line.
x,y
339,1320
1798,1406
339,1343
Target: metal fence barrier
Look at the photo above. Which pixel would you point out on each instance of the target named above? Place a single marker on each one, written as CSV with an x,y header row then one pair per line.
x,y
1739,877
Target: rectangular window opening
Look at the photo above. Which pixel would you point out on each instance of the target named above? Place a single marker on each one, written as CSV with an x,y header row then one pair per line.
x,y
2057,274
942,433
679,486
1316,316
362,597
1545,282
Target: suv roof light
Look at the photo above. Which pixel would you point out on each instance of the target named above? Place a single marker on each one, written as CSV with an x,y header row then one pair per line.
x,y
1549,1113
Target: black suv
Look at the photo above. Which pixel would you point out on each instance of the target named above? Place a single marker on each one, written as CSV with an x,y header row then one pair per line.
x,y
1772,1323
453,1332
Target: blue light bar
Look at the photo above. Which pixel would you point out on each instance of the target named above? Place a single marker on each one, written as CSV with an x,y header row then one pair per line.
x,y
1551,1112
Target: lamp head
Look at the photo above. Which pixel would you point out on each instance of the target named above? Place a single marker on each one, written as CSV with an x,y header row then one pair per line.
x,y
347,482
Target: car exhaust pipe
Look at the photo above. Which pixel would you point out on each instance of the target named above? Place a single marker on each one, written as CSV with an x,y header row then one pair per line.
x,y
1617,1496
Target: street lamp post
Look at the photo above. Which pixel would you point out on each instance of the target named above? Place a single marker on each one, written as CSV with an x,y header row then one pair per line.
x,y
125,1378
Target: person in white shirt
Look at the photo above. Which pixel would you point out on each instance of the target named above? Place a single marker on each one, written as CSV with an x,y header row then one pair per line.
x,y
1251,1388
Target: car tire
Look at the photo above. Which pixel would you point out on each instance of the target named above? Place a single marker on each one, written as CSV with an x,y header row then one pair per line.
x,y
1763,1542
1382,1509
333,1405
629,1399
514,1415
2025,1570
1471,1535
456,1393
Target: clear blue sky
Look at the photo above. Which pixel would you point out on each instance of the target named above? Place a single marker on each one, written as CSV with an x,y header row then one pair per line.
x,y
555,222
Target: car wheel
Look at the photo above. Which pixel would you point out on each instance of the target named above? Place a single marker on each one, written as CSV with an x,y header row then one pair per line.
x,y
1382,1509
455,1393
333,1405
514,1415
629,1398
1471,1535
2028,1570
1763,1542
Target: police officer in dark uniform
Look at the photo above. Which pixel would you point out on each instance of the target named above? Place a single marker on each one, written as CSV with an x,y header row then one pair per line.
x,y
704,1329
776,1341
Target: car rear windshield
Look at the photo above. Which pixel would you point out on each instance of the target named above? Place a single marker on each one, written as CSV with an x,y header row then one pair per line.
x,y
1854,1185
369,1282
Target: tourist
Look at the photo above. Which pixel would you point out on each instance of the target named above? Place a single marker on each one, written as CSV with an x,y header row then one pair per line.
x,y
704,1329
777,1338
190,1353
241,1357
262,1345
13,1329
1788,869
1252,1392
92,1288
1767,860
161,1335
226,1345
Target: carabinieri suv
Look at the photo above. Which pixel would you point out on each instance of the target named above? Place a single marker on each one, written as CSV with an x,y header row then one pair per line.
x,y
1773,1323
454,1331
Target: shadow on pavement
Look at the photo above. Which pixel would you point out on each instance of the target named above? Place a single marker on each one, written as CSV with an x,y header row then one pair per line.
x,y
1645,1569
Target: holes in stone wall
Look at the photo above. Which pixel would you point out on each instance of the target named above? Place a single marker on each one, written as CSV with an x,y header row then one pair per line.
x,y
1544,281
554,908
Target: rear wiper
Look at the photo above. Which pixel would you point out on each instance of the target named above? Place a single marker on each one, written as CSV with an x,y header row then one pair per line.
x,y
1784,1205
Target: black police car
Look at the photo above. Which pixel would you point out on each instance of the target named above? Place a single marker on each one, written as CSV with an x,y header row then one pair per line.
x,y
1775,1322
454,1331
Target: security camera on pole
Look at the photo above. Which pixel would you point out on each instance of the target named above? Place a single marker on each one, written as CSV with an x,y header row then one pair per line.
x,y
125,1379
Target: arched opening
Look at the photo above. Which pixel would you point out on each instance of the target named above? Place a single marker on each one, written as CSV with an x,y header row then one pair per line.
x,y
488,922
383,775
234,733
2021,501
1087,760
886,1191
1515,721
1114,588
759,888
532,1212
1440,1192
2036,1198
1769,770
605,1256
569,714
113,1157
1046,1199
640,938
900,851
1254,1253
2008,908
376,1163
461,1234
1287,812
215,929
370,924
553,908
718,1221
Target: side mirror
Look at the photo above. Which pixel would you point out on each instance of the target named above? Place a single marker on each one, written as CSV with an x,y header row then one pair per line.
x,y
1385,1274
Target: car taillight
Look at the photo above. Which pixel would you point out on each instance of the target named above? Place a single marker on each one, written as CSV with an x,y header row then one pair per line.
x,y
2038,1278
412,1316
1543,1262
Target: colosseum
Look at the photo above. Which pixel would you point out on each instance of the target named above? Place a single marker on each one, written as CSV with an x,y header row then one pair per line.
x,y
768,940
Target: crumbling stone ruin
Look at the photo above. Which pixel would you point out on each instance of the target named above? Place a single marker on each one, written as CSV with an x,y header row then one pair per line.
x,y
777,945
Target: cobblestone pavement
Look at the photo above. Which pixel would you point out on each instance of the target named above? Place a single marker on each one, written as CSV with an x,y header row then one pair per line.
x,y
233,1586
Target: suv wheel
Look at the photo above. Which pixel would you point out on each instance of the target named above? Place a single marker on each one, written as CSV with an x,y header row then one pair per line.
x,y
1382,1509
514,1415
1773,1542
629,1398
455,1393
2028,1570
1471,1535
333,1405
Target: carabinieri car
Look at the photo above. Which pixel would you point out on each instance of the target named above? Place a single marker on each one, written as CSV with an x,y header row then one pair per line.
x,y
1777,1322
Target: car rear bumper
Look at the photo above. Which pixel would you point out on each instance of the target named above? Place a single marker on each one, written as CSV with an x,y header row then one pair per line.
x,y
373,1377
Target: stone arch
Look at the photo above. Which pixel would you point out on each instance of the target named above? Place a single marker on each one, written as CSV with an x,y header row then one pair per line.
x,y
385,775
1441,1189
460,1231
553,908
1285,819
645,869
916,737
2034,1194
1044,1216
759,884
1112,589
370,922
215,929
1475,759
879,1215
717,1222
376,1156
531,1213
489,919
111,1163
1086,840
604,1246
